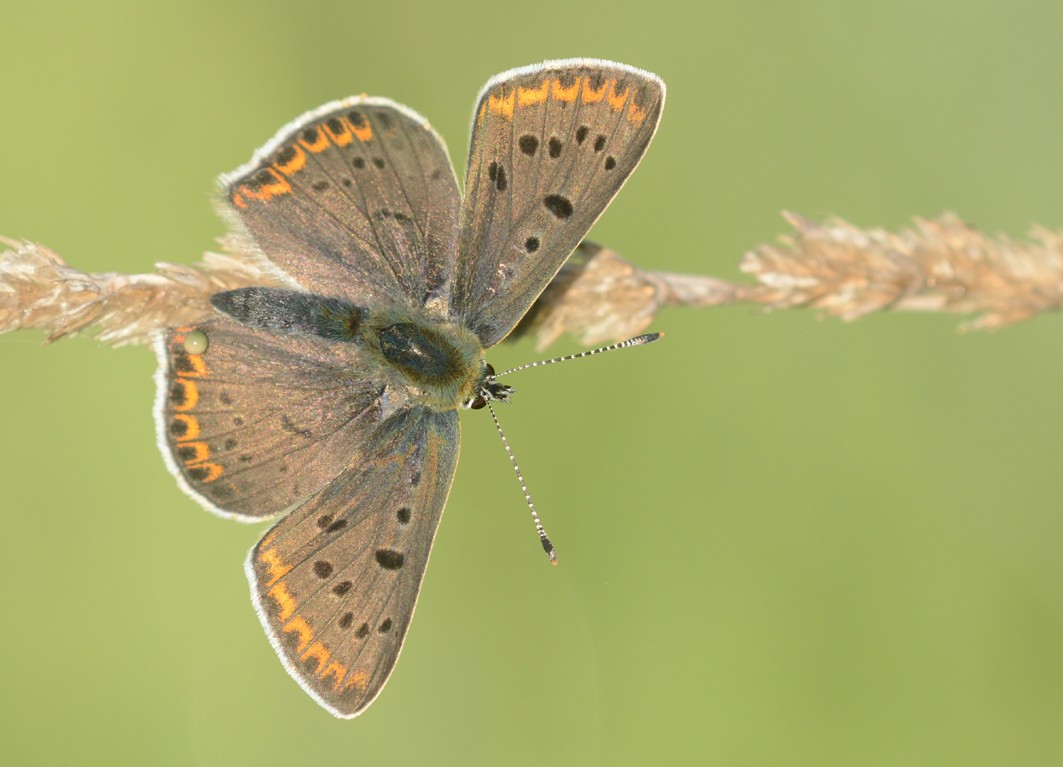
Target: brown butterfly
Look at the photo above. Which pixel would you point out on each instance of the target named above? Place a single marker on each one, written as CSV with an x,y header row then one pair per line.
x,y
335,402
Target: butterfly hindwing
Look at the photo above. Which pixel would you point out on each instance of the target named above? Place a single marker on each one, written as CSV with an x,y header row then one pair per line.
x,y
551,146
356,199
335,582
259,421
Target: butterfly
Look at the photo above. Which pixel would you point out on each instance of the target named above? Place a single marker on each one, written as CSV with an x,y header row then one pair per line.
x,y
333,402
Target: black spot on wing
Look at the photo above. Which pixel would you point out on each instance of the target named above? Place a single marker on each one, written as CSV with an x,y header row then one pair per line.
x,y
560,206
342,588
528,144
178,395
322,569
390,559
497,174
183,364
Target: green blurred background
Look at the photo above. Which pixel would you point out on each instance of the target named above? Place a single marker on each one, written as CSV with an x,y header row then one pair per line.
x,y
783,541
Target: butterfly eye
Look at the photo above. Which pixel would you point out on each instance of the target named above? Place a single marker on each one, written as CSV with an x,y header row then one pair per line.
x,y
489,370
479,403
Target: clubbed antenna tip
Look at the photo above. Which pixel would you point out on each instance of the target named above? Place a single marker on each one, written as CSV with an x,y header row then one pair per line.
x,y
551,552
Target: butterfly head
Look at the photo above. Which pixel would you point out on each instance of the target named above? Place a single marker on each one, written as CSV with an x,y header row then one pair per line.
x,y
489,389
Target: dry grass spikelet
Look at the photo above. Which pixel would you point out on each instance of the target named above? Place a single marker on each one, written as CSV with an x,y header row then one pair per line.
x,y
937,265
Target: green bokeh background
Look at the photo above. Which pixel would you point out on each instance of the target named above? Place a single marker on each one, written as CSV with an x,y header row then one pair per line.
x,y
783,541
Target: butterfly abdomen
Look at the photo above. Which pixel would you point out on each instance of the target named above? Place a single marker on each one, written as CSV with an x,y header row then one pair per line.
x,y
291,312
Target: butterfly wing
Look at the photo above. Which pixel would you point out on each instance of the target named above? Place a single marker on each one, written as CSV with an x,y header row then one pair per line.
x,y
356,199
551,146
259,421
335,582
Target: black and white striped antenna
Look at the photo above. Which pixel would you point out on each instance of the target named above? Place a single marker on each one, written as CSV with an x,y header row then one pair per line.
x,y
491,391
636,341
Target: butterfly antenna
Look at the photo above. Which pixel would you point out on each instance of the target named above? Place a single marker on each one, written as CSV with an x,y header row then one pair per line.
x,y
636,341
544,539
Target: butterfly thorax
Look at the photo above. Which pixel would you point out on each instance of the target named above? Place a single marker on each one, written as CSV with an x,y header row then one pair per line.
x,y
440,363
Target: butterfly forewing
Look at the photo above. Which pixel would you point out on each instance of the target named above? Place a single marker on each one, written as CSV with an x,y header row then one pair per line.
x,y
550,148
259,421
335,582
357,199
